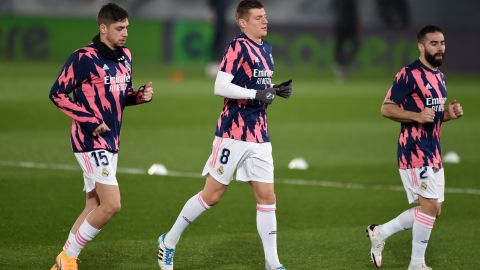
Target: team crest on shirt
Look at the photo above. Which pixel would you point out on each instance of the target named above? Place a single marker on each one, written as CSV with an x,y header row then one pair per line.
x,y
105,172
221,170
423,185
256,60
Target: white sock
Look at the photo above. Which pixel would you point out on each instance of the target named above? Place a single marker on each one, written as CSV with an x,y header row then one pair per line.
x,y
193,208
267,229
85,234
422,227
404,221
71,237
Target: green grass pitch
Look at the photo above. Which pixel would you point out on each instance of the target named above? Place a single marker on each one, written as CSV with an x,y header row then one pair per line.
x,y
336,127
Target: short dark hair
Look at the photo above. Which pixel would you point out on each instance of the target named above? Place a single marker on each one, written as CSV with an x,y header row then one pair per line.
x,y
427,29
244,7
111,13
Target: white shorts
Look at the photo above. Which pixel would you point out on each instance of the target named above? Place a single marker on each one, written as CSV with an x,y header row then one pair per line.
x,y
98,166
427,182
252,161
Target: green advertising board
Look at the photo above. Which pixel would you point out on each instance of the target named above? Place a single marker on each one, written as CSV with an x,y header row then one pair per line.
x,y
47,38
188,42
191,42
309,48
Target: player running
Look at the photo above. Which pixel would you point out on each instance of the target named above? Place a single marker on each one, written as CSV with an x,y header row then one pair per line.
x,y
417,100
100,77
241,140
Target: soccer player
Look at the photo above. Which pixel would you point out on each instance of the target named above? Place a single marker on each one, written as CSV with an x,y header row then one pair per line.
x,y
100,77
241,140
417,100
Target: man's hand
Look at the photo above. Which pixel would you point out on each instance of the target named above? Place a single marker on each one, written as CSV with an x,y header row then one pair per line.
x,y
100,129
267,95
147,90
284,89
426,116
455,110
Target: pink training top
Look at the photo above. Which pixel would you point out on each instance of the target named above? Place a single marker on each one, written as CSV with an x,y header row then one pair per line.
x,y
101,88
251,64
416,87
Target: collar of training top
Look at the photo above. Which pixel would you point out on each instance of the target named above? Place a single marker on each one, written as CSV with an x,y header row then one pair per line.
x,y
115,55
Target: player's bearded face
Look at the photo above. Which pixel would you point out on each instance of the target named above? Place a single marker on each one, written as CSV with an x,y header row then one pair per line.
x,y
117,33
435,59
257,22
435,49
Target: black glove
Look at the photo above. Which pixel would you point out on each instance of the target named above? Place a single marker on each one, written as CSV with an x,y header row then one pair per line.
x,y
267,95
284,89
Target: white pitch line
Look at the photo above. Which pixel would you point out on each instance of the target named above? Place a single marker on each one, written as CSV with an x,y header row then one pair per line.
x,y
285,181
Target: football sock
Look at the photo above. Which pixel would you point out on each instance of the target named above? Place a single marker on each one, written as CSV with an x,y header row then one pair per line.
x,y
404,221
267,229
193,208
85,234
422,227
70,239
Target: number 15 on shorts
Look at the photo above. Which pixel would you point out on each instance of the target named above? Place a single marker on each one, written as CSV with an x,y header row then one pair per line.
x,y
100,158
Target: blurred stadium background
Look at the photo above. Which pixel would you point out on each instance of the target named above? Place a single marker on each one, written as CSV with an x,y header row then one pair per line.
x,y
332,121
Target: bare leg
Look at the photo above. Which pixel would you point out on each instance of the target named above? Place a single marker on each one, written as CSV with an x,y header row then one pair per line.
x,y
91,202
213,191
109,196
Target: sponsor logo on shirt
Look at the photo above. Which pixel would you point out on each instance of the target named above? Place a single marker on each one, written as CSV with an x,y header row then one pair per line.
x,y
264,76
117,83
437,104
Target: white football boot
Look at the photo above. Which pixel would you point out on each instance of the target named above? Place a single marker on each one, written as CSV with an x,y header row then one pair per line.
x,y
377,245
165,254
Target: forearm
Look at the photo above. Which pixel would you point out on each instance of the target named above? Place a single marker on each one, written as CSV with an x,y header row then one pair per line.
x,y
446,116
394,112
225,88
74,111
71,109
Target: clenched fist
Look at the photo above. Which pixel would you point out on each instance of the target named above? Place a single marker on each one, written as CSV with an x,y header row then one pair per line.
x,y
147,90
426,116
454,110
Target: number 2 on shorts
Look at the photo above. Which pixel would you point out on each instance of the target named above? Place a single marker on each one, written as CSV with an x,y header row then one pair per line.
x,y
423,172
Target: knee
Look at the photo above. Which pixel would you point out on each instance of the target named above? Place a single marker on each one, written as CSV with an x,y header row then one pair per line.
x,y
266,198
436,209
112,208
432,209
211,199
